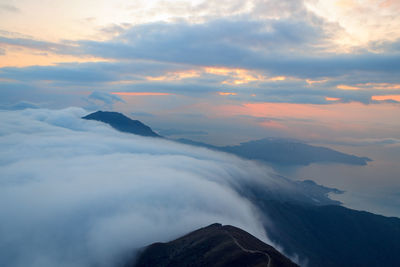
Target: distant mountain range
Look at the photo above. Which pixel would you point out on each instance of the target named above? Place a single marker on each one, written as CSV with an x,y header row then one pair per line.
x,y
215,245
121,123
271,150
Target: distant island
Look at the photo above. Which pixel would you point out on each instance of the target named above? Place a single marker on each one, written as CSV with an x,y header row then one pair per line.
x,y
272,150
284,152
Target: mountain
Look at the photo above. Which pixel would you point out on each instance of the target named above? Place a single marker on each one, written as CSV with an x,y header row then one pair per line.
x,y
122,123
331,235
284,152
277,151
298,216
215,245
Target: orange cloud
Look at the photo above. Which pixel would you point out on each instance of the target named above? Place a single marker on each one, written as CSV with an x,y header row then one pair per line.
x,y
221,70
236,76
123,82
382,86
23,57
386,97
345,3
273,124
332,98
387,3
347,87
226,93
311,82
277,78
140,93
175,76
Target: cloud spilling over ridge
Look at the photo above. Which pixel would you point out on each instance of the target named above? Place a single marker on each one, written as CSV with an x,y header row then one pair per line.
x,y
76,192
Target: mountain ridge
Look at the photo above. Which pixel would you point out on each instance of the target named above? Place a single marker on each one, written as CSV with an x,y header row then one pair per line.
x,y
214,245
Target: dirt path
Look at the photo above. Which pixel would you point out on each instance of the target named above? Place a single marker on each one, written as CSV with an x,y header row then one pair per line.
x,y
249,250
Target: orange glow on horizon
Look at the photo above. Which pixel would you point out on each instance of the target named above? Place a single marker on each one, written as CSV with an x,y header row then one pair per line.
x,y
336,111
333,118
140,93
386,97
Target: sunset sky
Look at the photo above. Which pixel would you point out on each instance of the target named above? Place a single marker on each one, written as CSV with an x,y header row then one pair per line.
x,y
226,71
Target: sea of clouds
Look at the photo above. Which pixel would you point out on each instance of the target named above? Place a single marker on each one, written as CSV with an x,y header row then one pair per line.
x,y
75,192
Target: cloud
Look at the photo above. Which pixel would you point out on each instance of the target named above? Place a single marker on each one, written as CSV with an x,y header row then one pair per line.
x,y
9,8
37,45
141,114
282,47
215,42
72,73
172,132
105,97
19,106
99,100
265,39
76,193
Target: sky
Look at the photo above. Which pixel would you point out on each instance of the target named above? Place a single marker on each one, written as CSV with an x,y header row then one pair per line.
x,y
323,71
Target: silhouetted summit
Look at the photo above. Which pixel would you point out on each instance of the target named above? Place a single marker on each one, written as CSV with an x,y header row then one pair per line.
x,y
215,245
121,123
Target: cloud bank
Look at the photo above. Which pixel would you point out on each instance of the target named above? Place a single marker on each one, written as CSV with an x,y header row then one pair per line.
x,y
265,39
78,193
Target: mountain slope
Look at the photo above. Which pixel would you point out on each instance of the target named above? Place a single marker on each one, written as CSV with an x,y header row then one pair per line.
x,y
122,123
215,245
333,235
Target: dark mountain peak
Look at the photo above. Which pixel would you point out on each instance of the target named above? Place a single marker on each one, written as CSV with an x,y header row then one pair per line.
x,y
121,123
214,245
